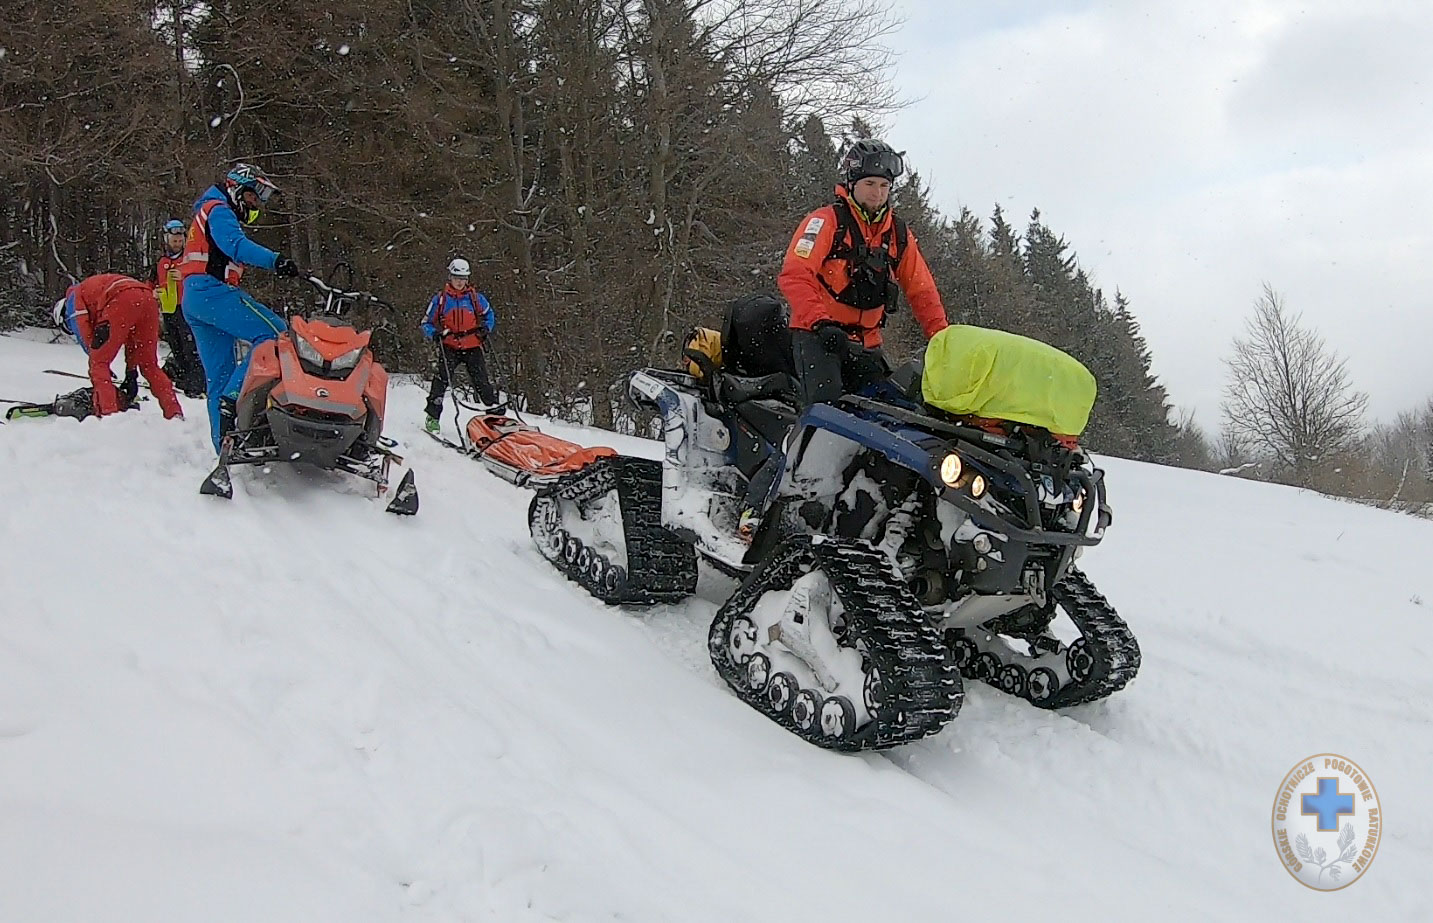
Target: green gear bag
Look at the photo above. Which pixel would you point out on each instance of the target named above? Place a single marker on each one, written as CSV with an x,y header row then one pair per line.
x,y
1004,376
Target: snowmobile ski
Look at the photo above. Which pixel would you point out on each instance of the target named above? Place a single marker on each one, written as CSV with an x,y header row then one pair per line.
x,y
219,483
405,498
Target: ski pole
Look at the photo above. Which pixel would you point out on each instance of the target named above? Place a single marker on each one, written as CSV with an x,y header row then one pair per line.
x,y
452,392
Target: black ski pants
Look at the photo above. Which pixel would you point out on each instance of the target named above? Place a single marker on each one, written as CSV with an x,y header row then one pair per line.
x,y
828,365
188,370
449,360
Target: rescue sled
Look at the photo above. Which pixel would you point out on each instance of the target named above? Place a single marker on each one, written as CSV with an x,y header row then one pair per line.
x,y
522,454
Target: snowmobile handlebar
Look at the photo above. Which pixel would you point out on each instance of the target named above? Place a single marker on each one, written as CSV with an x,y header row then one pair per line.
x,y
336,299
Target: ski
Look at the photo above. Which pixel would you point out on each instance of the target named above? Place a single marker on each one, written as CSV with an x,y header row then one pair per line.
x,y
445,441
143,384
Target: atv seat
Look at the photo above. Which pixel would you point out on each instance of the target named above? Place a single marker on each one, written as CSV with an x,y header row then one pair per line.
x,y
907,379
738,389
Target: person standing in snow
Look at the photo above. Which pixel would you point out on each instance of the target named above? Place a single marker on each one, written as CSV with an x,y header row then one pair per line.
x,y
110,312
459,320
844,269
219,313
184,367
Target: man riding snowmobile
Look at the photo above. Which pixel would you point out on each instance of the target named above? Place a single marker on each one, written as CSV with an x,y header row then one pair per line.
x,y
219,313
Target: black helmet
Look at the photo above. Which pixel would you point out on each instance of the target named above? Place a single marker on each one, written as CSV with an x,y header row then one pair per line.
x,y
869,157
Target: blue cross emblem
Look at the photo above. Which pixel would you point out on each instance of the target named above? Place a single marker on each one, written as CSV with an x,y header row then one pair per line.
x,y
1328,804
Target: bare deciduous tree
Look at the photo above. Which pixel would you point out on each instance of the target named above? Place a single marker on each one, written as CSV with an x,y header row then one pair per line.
x,y
1289,396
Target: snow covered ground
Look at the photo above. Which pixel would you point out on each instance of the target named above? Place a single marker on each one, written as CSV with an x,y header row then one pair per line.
x,y
293,706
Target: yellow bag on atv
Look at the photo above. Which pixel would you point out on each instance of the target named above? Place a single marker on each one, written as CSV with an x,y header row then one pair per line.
x,y
1004,376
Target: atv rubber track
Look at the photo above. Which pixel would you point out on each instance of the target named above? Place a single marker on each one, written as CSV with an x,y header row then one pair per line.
x,y
921,688
1112,651
660,567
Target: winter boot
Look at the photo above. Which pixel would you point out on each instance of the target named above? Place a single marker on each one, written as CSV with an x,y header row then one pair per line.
x,y
228,412
432,425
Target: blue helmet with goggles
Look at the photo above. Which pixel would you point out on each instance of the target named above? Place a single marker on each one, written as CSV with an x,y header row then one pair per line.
x,y
242,178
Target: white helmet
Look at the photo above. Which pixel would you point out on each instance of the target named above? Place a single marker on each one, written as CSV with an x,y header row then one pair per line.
x,y
57,313
460,268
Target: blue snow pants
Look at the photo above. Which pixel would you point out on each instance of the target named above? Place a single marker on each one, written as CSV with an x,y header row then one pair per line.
x,y
220,316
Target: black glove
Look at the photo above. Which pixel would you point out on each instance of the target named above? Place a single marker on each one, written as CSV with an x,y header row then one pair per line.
x,y
832,337
285,267
129,388
100,336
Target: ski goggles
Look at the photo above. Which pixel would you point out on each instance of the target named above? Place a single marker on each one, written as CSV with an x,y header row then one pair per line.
x,y
882,163
174,227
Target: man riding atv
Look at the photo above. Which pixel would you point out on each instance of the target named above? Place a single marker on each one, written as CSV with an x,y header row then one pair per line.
x,y
841,276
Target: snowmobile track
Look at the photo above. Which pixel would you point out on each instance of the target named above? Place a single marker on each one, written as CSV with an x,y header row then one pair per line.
x,y
921,689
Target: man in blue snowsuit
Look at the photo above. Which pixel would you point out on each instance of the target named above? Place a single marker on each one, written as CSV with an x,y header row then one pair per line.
x,y
219,314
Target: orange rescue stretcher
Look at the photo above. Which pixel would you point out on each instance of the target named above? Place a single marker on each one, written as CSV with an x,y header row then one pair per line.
x,y
524,455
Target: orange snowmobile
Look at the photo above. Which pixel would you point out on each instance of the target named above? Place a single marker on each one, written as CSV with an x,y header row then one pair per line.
x,y
315,395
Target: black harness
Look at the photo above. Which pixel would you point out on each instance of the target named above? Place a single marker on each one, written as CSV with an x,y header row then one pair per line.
x,y
872,273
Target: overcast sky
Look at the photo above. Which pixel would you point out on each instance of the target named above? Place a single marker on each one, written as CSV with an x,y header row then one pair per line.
x,y
1191,152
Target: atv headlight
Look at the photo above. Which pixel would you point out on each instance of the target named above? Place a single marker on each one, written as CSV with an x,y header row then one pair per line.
x,y
1078,503
348,360
977,487
306,351
951,468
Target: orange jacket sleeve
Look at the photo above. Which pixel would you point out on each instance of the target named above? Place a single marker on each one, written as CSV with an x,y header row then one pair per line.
x,y
799,281
915,280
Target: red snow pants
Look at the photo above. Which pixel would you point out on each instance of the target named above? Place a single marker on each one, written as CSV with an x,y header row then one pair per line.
x,y
132,313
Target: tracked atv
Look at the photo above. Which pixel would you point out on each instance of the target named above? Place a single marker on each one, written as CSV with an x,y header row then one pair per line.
x,y
906,548
315,396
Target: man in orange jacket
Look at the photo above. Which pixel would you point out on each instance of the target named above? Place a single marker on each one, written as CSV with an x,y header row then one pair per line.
x,y
843,271
109,312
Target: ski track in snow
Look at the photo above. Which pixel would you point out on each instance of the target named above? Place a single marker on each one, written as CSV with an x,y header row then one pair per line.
x,y
293,706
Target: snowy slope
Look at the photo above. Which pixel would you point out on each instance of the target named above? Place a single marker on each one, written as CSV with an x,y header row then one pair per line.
x,y
295,707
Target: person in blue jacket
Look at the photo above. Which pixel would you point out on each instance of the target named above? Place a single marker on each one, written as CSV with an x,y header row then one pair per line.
x,y
459,320
219,314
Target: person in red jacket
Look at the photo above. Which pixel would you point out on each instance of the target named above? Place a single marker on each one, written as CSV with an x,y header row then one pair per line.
x,y
843,271
110,312
184,367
